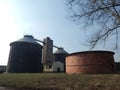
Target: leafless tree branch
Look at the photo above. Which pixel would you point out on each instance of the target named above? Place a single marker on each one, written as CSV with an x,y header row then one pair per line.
x,y
101,12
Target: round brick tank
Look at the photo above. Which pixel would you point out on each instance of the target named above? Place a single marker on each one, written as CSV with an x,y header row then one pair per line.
x,y
90,62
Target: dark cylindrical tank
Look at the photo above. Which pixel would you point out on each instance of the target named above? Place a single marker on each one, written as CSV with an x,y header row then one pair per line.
x,y
25,56
117,67
60,55
92,62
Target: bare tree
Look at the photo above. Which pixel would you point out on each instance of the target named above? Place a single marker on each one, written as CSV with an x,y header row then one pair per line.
x,y
105,13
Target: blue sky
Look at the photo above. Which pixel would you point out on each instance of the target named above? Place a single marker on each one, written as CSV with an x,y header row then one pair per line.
x,y
40,18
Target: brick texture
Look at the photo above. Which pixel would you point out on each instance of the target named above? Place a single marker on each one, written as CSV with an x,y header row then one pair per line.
x,y
90,62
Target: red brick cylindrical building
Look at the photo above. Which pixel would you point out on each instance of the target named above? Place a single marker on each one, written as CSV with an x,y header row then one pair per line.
x,y
93,62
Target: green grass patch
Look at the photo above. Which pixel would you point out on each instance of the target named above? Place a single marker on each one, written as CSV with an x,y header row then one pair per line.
x,y
61,81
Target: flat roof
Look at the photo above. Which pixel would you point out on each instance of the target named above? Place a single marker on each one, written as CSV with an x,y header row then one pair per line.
x,y
95,51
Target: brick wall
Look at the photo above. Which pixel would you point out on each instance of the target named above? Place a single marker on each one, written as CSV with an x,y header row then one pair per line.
x,y
90,62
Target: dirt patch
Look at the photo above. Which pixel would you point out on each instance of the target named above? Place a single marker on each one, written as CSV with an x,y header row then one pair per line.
x,y
4,88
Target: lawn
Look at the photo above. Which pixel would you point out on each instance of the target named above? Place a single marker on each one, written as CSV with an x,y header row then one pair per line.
x,y
61,81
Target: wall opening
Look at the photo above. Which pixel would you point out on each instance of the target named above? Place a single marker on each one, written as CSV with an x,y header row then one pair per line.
x,y
58,69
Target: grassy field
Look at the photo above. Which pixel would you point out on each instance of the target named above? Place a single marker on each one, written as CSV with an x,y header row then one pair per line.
x,y
61,81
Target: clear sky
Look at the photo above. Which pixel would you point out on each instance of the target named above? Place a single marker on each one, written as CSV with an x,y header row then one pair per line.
x,y
40,18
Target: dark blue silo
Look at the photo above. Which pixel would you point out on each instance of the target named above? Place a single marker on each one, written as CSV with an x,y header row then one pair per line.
x,y
59,55
25,56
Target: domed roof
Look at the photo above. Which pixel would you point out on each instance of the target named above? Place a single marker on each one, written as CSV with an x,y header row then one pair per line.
x,y
60,50
27,39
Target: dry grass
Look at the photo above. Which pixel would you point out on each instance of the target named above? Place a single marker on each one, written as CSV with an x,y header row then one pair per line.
x,y
55,81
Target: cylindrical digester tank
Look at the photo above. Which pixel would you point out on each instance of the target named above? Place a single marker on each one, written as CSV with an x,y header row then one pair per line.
x,y
93,62
59,55
25,56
